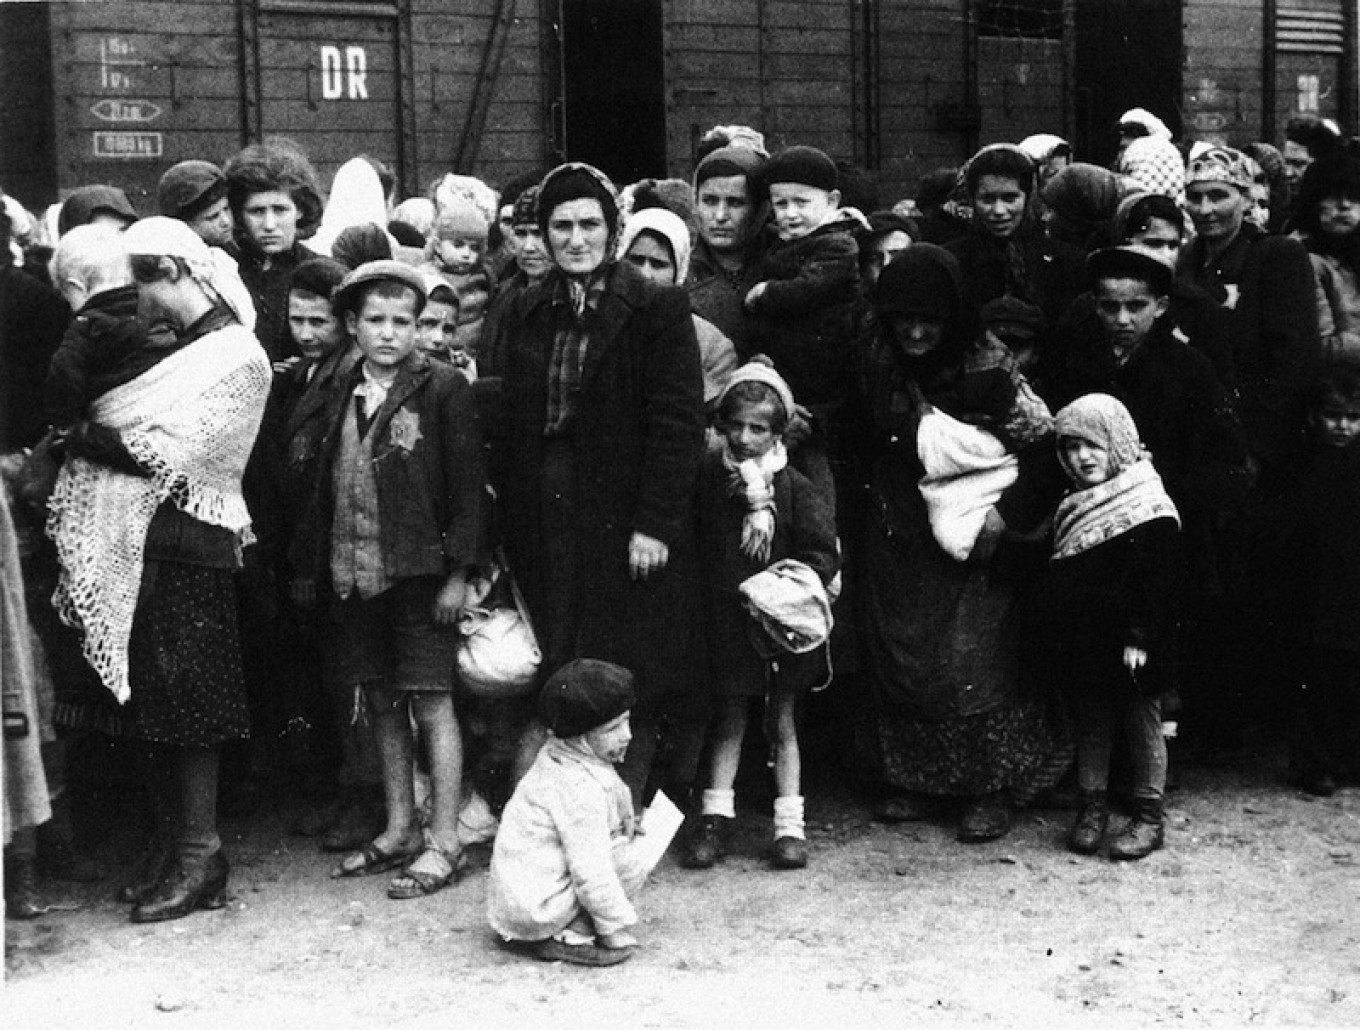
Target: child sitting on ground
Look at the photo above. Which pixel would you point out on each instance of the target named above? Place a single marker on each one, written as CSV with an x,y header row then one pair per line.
x,y
755,510
564,869
394,526
1115,588
1319,571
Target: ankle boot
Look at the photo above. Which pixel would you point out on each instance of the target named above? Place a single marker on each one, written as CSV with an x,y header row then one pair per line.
x,y
198,879
705,844
1144,835
155,866
21,887
1092,819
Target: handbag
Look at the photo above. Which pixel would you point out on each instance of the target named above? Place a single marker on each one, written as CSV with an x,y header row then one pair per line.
x,y
499,656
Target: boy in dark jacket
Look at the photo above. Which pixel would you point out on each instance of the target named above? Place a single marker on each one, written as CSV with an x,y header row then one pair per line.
x,y
755,510
394,525
805,303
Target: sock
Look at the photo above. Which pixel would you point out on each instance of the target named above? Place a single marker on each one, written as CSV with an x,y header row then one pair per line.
x,y
788,817
720,802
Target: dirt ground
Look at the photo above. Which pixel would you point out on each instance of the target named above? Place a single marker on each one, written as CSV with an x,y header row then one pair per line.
x,y
1249,917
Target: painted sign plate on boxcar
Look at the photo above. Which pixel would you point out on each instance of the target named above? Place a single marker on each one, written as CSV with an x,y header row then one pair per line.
x,y
128,146
116,110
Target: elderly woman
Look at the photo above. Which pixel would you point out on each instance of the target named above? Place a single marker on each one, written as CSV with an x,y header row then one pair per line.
x,y
604,427
277,204
945,714
148,522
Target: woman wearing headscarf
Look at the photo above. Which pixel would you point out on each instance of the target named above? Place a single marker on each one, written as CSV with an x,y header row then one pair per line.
x,y
1153,165
1079,205
945,713
148,521
603,429
1007,253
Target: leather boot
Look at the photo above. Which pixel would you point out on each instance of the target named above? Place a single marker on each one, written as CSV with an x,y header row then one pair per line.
x,y
197,880
1092,819
1144,835
156,865
705,844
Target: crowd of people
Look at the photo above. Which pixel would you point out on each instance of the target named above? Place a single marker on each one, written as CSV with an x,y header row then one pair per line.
x,y
1029,473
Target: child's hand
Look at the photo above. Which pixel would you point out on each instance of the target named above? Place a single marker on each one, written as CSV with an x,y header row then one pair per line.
x,y
448,603
617,939
756,292
1134,658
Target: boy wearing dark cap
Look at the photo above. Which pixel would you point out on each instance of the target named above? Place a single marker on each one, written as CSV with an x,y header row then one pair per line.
x,y
806,305
394,524
196,192
564,869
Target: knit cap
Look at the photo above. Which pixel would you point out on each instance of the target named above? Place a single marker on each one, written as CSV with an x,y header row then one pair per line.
x,y
759,370
1085,195
87,201
726,162
190,187
584,694
460,217
378,271
1154,165
1221,164
924,280
806,166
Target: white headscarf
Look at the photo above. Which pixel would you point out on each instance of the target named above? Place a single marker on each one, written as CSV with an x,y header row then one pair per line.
x,y
211,268
356,199
671,228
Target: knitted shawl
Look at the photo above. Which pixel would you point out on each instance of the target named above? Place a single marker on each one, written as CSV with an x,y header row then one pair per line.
x,y
190,421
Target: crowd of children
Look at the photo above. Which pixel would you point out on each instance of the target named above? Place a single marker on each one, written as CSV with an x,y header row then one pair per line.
x,y
735,440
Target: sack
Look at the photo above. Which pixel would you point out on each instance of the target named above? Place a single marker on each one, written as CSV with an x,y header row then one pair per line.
x,y
498,657
37,475
789,602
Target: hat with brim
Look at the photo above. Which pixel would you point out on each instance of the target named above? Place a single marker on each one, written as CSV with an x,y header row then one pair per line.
x,y
347,296
1129,263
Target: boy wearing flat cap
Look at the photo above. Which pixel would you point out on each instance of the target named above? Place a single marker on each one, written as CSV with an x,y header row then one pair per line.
x,y
564,869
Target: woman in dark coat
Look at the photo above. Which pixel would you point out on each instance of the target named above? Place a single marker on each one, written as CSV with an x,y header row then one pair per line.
x,y
944,713
603,429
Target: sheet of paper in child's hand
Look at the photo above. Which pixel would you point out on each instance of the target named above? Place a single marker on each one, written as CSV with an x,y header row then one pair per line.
x,y
660,823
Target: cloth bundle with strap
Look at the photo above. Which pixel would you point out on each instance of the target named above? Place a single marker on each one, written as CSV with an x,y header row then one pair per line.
x,y
791,605
967,469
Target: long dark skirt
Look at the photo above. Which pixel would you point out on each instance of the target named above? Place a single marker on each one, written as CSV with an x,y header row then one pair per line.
x,y
944,711
184,656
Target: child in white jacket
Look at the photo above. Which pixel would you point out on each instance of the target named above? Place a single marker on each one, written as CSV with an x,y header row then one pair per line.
x,y
564,868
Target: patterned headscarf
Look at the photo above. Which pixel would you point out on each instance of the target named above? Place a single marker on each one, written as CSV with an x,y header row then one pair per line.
x,y
1221,164
1104,421
1155,166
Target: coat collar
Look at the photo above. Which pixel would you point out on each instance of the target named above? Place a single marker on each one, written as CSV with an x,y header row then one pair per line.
x,y
412,376
625,292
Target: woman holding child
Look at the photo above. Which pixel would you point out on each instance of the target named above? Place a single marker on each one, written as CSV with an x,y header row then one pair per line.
x,y
959,455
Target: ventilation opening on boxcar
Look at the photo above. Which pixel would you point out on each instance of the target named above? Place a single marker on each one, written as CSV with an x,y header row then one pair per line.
x,y
613,83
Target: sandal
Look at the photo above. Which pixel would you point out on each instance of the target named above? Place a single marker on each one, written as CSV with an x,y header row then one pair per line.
x,y
414,883
371,859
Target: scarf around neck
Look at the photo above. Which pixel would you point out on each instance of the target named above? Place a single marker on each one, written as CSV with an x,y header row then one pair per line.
x,y
1090,517
752,482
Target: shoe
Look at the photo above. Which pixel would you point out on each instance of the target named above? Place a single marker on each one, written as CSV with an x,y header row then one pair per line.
x,y
901,808
1092,821
196,881
370,859
22,900
415,883
1144,835
156,865
580,954
704,847
985,818
789,853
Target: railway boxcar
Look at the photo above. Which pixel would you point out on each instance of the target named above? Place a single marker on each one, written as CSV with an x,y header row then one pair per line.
x,y
117,91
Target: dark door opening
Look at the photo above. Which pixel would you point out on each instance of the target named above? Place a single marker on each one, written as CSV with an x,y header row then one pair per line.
x,y
613,84
1128,55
